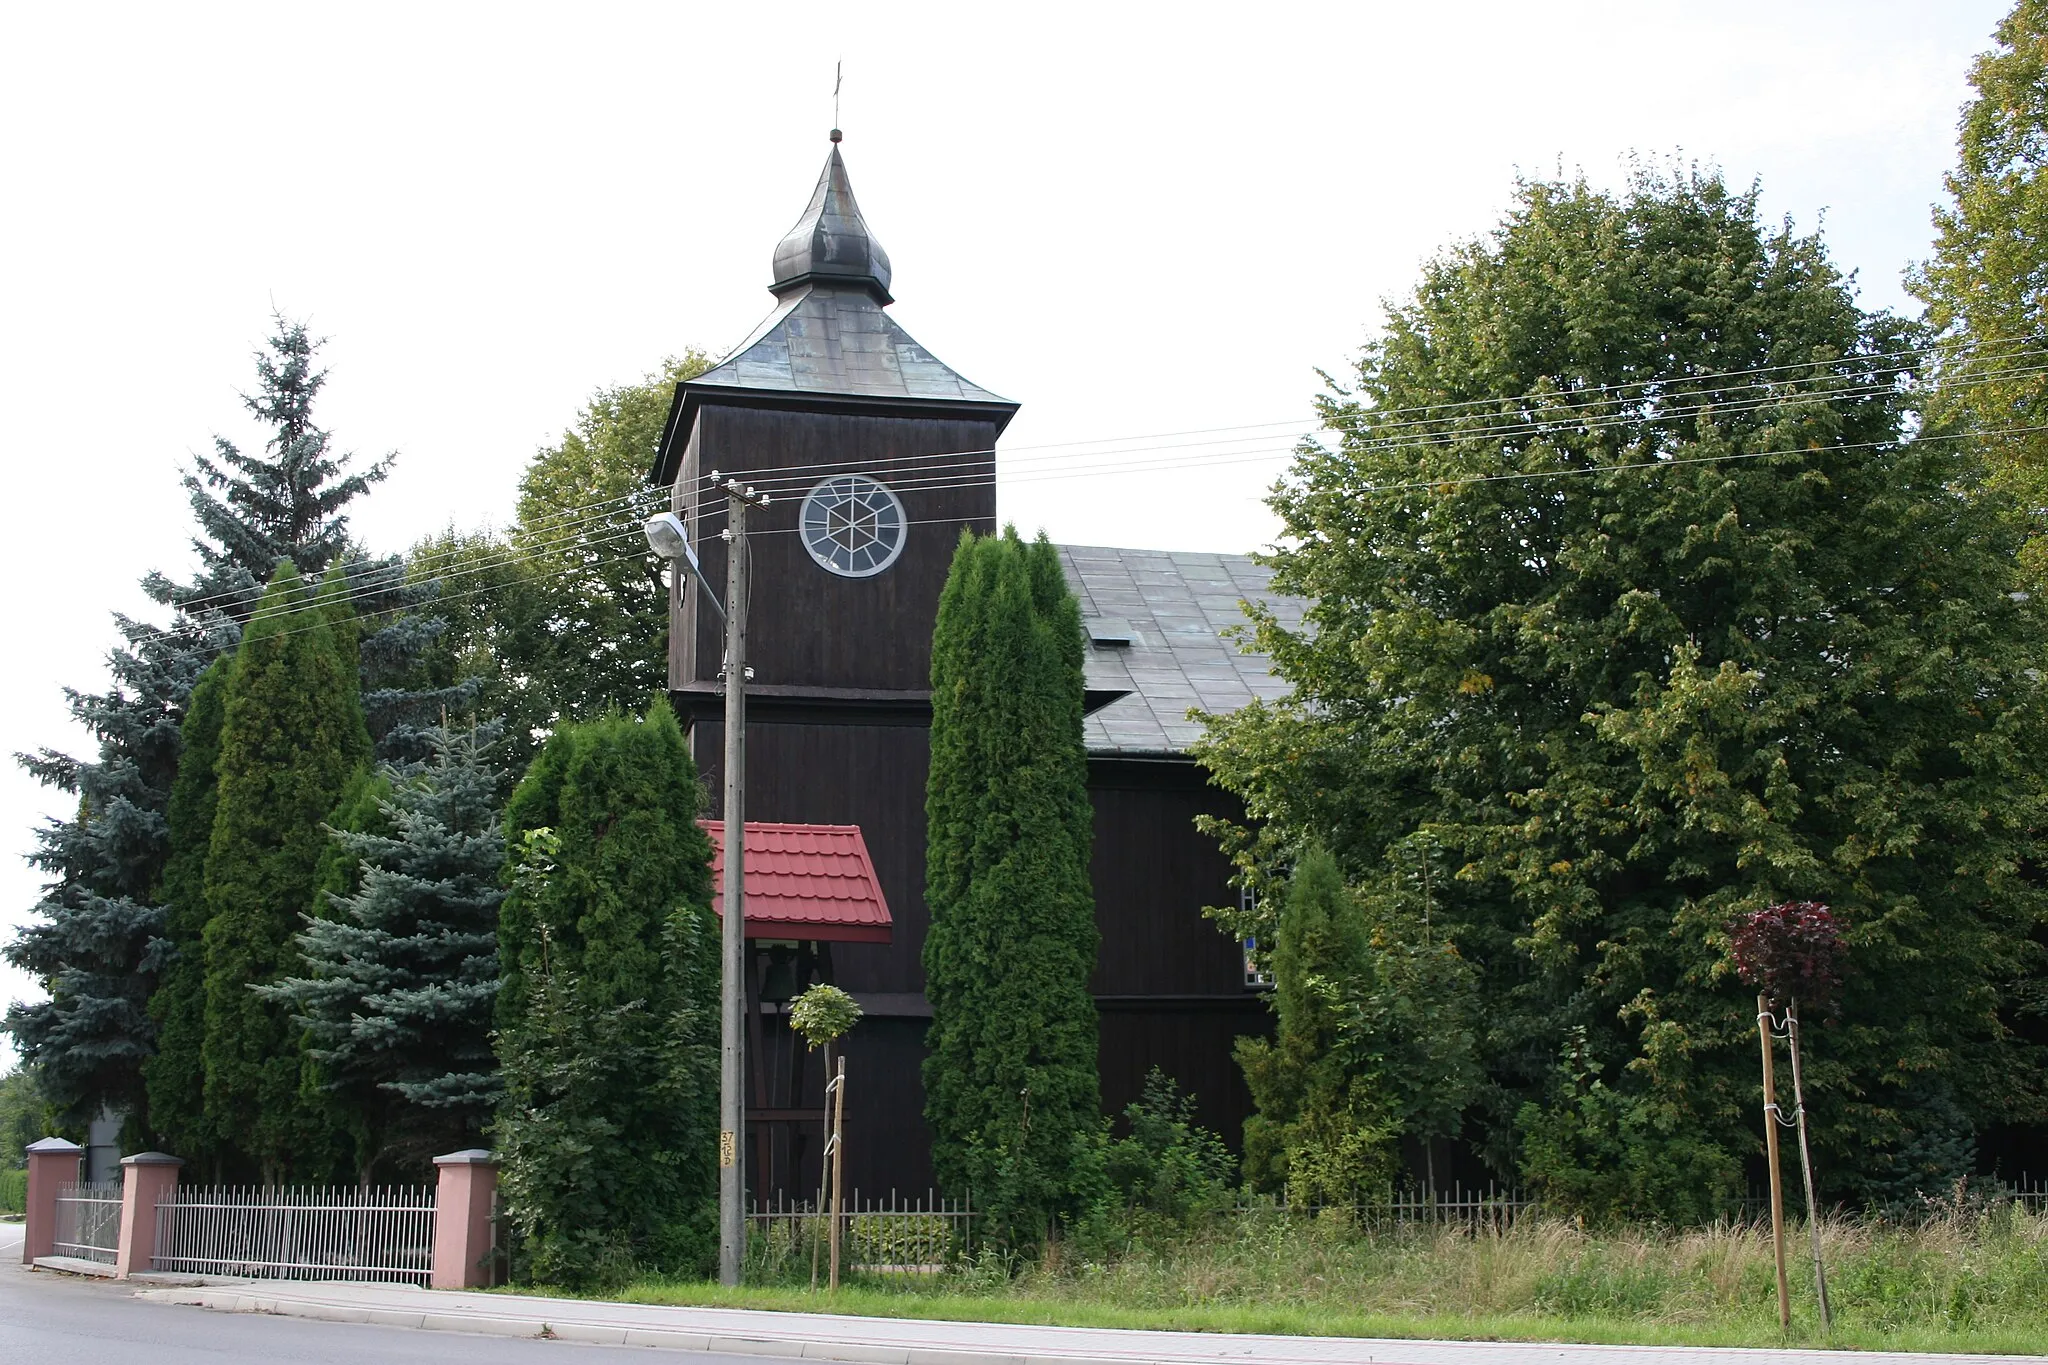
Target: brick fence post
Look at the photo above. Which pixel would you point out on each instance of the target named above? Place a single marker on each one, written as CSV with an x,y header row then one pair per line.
x,y
465,1194
146,1178
51,1162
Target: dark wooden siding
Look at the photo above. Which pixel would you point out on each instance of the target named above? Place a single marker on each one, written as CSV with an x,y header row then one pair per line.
x,y
809,627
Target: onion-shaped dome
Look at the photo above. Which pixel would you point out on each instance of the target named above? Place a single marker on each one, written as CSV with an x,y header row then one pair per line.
x,y
831,244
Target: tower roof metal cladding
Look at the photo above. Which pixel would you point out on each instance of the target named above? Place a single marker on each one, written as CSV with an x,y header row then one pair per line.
x,y
831,241
828,336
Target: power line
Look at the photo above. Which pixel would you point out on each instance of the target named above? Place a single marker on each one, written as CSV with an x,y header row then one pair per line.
x,y
571,529
565,523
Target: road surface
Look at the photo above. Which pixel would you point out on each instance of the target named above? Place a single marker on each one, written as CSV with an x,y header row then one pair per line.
x,y
48,1319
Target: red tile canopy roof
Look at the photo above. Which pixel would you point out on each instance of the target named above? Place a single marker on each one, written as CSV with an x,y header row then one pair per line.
x,y
809,882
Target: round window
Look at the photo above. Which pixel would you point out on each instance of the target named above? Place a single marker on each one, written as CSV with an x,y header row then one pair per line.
x,y
852,525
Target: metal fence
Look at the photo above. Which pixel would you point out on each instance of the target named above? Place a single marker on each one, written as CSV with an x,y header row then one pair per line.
x,y
299,1232
889,1236
89,1221
1491,1209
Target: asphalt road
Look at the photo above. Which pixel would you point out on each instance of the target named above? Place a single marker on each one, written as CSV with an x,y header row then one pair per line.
x,y
48,1319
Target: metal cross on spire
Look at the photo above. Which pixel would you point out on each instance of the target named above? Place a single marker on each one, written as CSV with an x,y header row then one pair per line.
x,y
838,70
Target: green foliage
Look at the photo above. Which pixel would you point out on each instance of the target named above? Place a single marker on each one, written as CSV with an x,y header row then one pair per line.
x,y
103,932
1011,1087
257,511
23,1116
1986,287
594,580
823,1013
1323,1131
176,1073
1636,643
1168,1166
494,605
608,1008
292,736
1606,1153
400,974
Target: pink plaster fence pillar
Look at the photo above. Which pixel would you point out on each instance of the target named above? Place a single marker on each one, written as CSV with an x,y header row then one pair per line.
x,y
51,1162
465,1198
146,1178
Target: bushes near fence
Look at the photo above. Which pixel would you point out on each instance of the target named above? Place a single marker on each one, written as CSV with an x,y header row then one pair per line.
x,y
13,1191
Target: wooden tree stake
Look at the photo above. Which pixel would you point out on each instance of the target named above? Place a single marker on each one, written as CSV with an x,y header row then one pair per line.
x,y
1763,1028
838,1161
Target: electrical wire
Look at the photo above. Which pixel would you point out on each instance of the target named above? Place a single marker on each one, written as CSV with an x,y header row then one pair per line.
x,y
571,520
569,526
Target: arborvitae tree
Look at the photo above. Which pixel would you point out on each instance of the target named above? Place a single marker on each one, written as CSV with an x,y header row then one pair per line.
x,y
1986,288
176,1073
1631,595
1322,1128
400,976
608,1015
1011,1088
292,735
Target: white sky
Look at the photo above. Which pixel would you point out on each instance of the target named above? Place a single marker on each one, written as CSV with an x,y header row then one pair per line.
x,y
1132,219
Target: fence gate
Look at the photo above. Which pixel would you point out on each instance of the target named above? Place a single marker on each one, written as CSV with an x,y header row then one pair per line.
x,y
89,1221
298,1232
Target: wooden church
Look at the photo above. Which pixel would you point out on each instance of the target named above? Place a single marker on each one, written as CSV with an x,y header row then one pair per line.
x,y
877,454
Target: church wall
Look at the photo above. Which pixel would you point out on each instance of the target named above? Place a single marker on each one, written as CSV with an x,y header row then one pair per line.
x,y
808,627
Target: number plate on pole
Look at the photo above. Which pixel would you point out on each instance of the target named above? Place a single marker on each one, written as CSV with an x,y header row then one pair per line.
x,y
728,1148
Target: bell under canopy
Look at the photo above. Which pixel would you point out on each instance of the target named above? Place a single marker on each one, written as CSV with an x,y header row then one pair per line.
x,y
831,243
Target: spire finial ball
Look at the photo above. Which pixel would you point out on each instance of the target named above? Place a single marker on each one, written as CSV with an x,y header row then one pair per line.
x,y
835,135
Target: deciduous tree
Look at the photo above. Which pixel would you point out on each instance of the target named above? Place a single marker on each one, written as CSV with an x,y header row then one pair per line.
x,y
1632,595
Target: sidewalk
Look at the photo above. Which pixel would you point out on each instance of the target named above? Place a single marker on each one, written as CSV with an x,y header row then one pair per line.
x,y
897,1341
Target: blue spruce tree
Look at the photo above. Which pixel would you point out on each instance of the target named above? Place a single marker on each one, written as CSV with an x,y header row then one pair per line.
x,y
401,977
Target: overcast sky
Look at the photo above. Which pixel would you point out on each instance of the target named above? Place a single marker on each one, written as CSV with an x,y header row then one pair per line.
x,y
1132,219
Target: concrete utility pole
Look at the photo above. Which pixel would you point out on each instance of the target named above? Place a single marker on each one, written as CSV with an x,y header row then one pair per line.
x,y
732,1094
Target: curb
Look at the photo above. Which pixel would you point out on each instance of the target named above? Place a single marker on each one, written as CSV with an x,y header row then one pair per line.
x,y
599,1334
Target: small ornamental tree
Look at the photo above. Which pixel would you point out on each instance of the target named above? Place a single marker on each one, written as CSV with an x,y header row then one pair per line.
x,y
1790,952
1011,1088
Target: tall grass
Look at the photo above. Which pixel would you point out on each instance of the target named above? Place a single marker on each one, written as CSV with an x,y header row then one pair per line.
x,y
1955,1278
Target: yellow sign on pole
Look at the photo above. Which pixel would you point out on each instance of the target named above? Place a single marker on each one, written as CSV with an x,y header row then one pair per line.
x,y
728,1147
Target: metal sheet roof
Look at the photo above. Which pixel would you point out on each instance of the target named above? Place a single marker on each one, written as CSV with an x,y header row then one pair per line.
x,y
827,339
1174,606
811,882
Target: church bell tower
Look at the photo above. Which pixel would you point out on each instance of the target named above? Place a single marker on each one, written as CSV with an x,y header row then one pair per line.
x,y
876,455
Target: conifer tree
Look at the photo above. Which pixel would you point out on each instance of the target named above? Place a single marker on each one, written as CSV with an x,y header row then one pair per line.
x,y
101,933
256,511
608,1014
1322,1127
1011,1087
400,975
292,736
176,1072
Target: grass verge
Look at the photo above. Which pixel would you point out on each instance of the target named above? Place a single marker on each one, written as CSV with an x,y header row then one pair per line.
x,y
1973,1281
